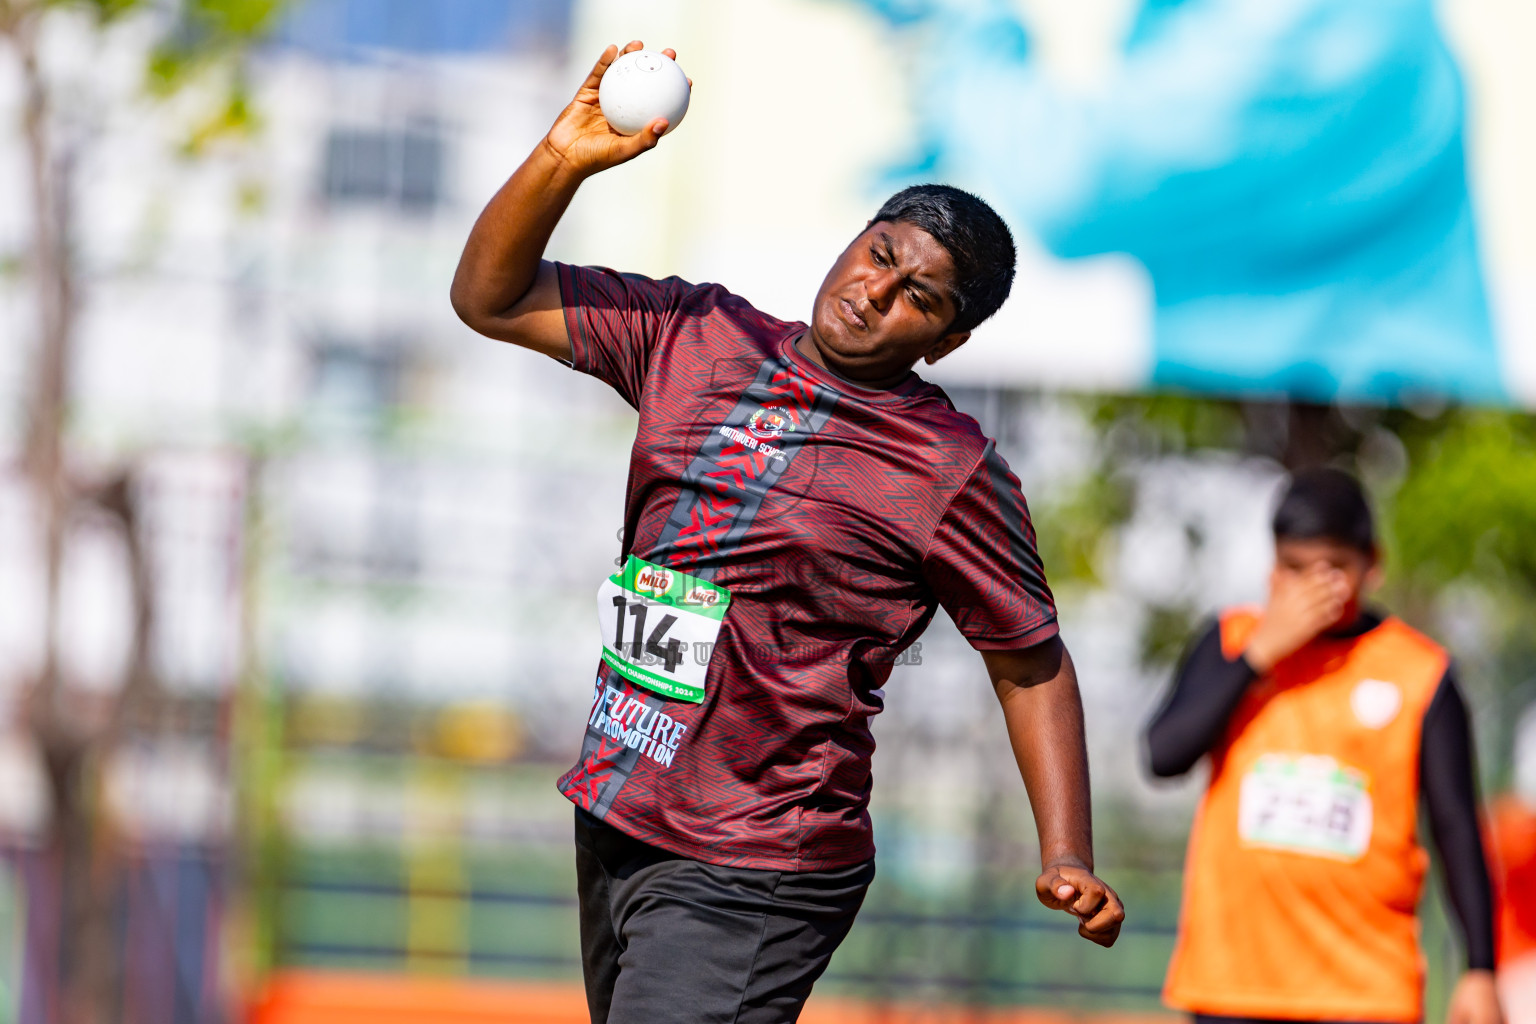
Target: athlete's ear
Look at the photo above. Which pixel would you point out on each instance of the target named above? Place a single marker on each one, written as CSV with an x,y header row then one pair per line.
x,y
945,345
1373,574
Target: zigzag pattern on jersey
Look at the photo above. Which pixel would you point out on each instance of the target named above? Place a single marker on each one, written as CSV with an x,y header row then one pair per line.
x,y
606,762
1006,501
724,486
894,483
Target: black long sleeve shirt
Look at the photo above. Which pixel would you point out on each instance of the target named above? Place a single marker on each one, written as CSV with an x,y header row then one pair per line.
x,y
1207,690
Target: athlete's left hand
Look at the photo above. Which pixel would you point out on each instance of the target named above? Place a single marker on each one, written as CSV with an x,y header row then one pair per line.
x,y
1475,1000
1098,909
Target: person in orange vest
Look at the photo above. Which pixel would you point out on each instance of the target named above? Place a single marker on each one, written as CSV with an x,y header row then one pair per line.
x,y
1328,725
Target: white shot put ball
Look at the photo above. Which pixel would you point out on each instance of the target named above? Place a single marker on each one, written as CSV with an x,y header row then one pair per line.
x,y
641,86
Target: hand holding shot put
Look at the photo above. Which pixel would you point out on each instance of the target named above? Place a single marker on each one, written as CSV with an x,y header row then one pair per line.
x,y
607,123
500,288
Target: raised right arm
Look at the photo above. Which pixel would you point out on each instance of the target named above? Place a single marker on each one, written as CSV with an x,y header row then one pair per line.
x,y
503,287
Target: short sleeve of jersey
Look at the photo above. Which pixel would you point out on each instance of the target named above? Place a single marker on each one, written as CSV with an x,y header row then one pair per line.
x,y
617,321
984,567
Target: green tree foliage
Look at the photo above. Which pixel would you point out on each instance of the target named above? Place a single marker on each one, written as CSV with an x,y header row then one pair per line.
x,y
210,39
1466,510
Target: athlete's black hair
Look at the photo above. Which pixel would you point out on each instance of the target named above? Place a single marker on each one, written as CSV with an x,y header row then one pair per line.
x,y
1326,504
974,236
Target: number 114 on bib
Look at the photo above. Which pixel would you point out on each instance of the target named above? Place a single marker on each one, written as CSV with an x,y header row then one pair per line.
x,y
659,627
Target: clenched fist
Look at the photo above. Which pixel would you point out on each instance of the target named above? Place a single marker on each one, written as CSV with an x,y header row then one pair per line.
x,y
1076,890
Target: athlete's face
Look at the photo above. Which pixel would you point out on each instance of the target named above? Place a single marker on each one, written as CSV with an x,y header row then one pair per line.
x,y
886,303
1296,559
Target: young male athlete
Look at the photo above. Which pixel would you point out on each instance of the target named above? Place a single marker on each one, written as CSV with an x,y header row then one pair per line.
x,y
1328,725
800,503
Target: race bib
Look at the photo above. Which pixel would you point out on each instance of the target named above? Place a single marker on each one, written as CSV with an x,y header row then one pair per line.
x,y
1305,803
659,627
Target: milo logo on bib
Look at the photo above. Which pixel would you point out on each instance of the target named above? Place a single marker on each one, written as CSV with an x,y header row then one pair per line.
x,y
1306,803
704,597
653,580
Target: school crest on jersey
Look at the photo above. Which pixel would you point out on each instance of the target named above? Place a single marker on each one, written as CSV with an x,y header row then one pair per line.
x,y
768,424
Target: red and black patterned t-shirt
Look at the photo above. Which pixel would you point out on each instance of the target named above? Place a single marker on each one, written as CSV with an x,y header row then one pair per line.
x,y
837,542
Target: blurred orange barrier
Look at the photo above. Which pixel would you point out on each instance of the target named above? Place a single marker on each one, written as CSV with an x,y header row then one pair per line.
x,y
323,997
1511,842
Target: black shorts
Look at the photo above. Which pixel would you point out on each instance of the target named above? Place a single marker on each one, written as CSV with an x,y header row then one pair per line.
x,y
665,938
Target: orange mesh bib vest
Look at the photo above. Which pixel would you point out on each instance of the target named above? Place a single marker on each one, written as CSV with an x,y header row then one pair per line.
x,y
1304,867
